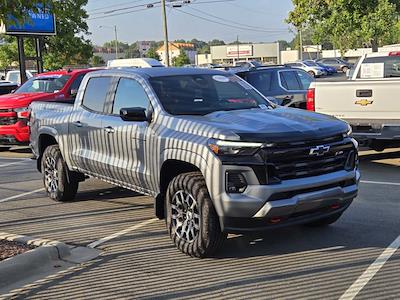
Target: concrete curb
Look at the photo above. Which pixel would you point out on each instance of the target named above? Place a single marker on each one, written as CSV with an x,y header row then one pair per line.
x,y
24,265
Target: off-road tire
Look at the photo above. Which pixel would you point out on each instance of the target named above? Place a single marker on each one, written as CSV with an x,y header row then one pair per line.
x,y
67,183
325,221
209,237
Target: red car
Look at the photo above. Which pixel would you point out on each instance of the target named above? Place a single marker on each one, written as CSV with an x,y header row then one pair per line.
x,y
51,86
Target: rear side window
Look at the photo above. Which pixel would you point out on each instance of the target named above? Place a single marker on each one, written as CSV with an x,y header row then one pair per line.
x,y
305,79
262,81
75,85
96,93
129,94
289,80
380,67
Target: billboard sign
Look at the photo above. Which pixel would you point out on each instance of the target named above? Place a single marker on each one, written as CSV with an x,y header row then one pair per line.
x,y
242,50
40,22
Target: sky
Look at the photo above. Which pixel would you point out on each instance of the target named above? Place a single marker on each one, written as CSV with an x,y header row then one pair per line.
x,y
251,20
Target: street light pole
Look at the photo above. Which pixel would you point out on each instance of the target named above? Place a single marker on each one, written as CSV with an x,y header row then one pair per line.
x,y
166,45
116,42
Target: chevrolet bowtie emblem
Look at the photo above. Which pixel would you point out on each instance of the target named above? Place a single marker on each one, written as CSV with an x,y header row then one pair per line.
x,y
364,102
319,150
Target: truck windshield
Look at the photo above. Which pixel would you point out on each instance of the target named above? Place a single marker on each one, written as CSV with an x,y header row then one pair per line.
x,y
204,94
45,84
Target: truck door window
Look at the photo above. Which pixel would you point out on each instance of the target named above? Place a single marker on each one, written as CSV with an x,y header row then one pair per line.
x,y
129,94
305,79
289,81
96,93
77,82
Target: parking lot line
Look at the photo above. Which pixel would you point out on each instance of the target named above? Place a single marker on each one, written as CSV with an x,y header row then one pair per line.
x,y
21,195
359,284
121,233
380,182
15,163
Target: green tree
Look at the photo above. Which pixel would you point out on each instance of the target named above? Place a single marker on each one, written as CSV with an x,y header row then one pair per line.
x,y
132,51
97,61
347,24
152,53
181,60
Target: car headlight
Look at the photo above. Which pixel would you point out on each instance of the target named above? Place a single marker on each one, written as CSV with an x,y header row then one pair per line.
x,y
22,112
349,131
220,147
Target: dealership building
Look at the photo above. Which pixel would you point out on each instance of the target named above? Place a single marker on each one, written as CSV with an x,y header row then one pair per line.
x,y
227,54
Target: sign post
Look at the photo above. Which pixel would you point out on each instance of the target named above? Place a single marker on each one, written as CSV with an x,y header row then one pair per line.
x,y
37,24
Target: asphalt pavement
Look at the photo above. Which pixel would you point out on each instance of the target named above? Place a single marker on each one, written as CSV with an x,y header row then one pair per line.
x,y
356,258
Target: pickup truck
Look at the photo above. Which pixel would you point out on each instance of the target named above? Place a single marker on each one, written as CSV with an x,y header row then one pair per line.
x,y
50,86
215,154
368,101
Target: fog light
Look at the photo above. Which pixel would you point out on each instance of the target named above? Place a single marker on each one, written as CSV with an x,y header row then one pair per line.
x,y
235,182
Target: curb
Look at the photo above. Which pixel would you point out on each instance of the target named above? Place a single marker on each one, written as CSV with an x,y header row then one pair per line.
x,y
23,265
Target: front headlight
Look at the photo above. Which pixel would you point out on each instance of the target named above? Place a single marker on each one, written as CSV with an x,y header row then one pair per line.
x,y
220,147
349,131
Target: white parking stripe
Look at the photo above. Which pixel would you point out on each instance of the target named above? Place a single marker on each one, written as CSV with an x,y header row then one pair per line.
x,y
359,284
380,182
21,195
121,233
15,163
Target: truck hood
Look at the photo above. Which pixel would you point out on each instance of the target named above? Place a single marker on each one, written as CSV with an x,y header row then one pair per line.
x,y
21,100
275,125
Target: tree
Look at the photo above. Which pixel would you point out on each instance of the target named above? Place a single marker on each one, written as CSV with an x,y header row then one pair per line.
x,y
132,51
347,24
152,53
97,61
17,8
181,60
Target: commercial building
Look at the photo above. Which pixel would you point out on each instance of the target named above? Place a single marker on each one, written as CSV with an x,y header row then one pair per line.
x,y
227,54
175,50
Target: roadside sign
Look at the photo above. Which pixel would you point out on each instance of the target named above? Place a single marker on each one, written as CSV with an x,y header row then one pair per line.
x,y
39,23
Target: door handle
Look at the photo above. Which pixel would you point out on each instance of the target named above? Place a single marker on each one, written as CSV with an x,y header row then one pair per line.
x,y
109,129
77,124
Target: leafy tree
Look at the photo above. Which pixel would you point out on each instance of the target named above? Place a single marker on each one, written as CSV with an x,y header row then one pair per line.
x,y
216,42
122,47
97,61
152,53
132,51
347,24
181,60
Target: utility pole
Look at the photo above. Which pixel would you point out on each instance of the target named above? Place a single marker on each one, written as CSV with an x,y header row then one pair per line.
x,y
116,42
166,45
301,44
238,48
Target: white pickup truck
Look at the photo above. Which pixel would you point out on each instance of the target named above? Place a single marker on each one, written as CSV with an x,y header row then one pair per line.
x,y
368,101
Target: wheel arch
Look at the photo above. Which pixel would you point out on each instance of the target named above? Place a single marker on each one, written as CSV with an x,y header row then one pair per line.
x,y
45,140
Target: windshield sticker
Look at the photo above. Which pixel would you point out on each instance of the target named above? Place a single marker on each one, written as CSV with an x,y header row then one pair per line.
x,y
220,78
372,70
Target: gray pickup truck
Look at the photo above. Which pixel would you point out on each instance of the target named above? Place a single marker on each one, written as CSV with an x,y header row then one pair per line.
x,y
215,154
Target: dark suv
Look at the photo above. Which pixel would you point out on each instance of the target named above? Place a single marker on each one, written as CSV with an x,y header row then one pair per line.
x,y
288,85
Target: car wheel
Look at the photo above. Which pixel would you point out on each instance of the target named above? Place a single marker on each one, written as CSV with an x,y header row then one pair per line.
x,y
325,221
192,221
345,69
60,184
311,73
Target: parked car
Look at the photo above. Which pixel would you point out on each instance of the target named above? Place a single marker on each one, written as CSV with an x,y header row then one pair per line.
x,y
330,70
215,154
288,85
311,68
14,112
15,76
337,63
7,87
368,101
247,64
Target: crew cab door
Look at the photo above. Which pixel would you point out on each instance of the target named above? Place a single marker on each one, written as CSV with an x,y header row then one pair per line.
x,y
86,134
128,156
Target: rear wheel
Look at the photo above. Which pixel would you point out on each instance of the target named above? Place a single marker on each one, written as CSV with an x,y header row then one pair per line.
x,y
311,73
325,221
345,69
60,184
192,221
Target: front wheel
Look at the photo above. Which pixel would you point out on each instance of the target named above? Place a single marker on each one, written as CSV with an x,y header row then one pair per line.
x,y
325,221
192,221
345,69
311,73
60,184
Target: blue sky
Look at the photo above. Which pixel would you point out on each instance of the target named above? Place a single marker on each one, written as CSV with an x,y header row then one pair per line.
x,y
263,20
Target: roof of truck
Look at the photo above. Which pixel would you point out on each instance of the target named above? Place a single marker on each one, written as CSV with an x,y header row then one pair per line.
x,y
158,72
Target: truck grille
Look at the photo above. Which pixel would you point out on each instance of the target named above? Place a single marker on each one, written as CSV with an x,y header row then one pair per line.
x,y
5,118
293,160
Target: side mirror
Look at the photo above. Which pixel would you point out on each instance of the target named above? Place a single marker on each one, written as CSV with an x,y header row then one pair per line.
x,y
73,92
137,114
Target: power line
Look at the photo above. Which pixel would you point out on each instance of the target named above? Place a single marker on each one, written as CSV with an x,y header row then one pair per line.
x,y
115,5
234,22
145,5
122,13
228,25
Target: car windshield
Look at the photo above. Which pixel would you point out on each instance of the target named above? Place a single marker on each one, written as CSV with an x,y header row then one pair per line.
x,y
204,94
45,84
310,64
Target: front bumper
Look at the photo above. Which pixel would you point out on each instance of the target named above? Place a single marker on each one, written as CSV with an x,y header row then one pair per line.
x,y
295,201
15,134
